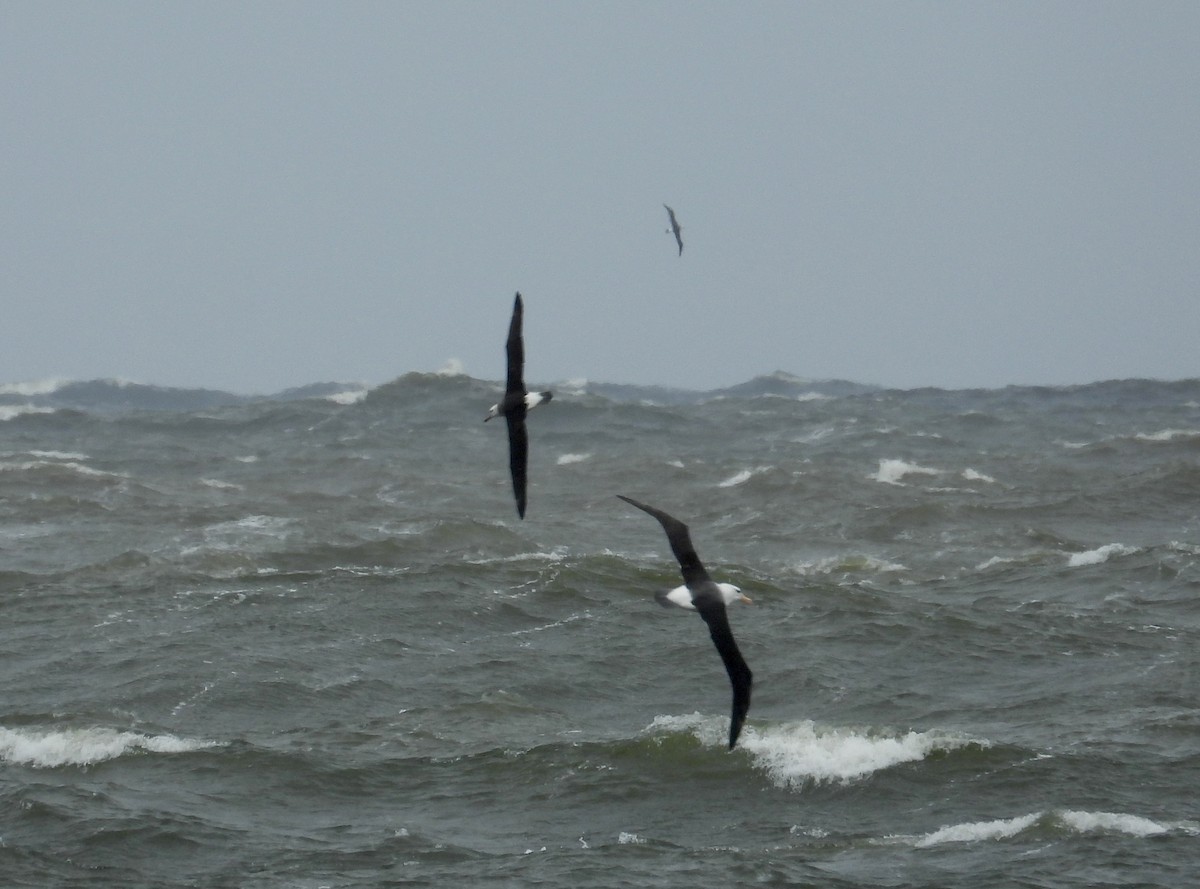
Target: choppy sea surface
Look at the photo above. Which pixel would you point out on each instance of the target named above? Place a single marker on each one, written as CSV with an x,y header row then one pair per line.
x,y
305,641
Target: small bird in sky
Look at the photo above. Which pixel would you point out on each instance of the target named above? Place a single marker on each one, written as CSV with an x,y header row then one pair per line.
x,y
675,229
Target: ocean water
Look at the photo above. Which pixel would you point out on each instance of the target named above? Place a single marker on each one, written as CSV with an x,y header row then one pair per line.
x,y
305,641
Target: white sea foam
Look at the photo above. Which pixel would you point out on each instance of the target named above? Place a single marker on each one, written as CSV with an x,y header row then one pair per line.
x,y
795,754
220,485
350,396
1168,434
626,838
12,411
744,476
80,747
855,563
269,525
553,625
556,555
1115,822
972,475
234,535
58,455
1096,556
567,459
891,471
976,831
1071,820
76,467
452,368
33,387
994,561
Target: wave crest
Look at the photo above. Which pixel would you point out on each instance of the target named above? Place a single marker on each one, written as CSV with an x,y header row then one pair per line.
x,y
82,747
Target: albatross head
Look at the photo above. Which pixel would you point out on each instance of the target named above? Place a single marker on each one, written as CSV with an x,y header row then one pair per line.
x,y
731,594
493,411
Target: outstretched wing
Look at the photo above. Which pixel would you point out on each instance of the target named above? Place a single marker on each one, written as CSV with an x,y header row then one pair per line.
x,y
712,609
518,453
515,347
676,229
681,544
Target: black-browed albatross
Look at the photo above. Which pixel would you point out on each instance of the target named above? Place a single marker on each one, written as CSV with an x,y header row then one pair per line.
x,y
675,229
516,403
700,593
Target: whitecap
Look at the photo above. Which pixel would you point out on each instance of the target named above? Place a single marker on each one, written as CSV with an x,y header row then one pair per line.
x,y
975,831
972,475
556,555
994,561
625,838
350,396
1134,825
891,471
798,753
12,411
567,459
795,754
743,476
58,455
452,368
33,387
76,467
1102,554
1167,434
220,485
81,747
1073,820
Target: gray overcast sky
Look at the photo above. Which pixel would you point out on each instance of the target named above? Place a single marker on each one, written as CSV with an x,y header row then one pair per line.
x,y
252,196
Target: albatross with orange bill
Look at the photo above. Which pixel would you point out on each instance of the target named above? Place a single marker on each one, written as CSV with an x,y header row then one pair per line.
x,y
700,593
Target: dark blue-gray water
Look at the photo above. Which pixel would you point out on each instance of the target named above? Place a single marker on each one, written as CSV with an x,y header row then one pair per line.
x,y
305,641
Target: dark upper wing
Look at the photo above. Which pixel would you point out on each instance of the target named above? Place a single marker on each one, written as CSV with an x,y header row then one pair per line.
x,y
518,453
675,229
681,543
712,609
515,381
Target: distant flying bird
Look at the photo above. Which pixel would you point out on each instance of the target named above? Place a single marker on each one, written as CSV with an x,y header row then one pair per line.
x,y
700,593
675,229
515,404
